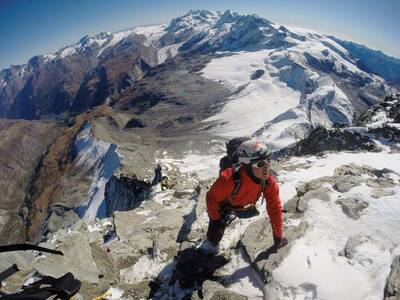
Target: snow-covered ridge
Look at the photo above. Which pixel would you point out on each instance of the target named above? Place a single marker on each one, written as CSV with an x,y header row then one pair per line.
x,y
102,159
282,93
196,20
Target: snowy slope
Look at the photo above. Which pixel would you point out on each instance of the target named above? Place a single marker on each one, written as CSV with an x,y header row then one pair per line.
x,y
253,102
317,252
284,92
102,159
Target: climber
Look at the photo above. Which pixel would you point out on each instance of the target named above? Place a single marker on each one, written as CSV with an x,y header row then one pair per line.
x,y
238,188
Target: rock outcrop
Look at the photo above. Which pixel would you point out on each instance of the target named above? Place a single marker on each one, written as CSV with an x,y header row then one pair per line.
x,y
392,288
23,144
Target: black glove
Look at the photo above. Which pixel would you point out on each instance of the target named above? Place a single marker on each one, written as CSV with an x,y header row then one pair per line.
x,y
215,232
279,242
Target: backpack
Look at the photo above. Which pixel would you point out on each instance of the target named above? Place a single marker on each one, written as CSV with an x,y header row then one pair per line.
x,y
47,287
231,160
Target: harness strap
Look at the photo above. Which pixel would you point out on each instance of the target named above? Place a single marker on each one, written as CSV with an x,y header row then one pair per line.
x,y
18,247
8,272
237,182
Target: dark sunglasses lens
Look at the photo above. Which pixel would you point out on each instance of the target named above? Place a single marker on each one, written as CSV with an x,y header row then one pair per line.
x,y
261,164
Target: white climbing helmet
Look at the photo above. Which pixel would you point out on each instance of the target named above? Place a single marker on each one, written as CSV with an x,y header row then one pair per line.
x,y
251,151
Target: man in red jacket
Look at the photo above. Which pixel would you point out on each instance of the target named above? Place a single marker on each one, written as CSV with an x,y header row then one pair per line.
x,y
255,179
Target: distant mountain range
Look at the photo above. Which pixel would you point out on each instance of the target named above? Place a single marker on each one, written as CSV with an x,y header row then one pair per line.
x,y
100,68
373,61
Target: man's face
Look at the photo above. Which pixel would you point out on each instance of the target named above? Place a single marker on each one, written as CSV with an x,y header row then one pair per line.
x,y
261,169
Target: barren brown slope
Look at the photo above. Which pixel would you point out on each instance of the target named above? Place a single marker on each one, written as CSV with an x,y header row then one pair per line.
x,y
22,144
45,187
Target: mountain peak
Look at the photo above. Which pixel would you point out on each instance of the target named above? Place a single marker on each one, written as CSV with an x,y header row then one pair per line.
x,y
193,19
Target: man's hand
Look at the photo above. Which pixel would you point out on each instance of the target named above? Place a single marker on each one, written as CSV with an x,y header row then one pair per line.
x,y
279,242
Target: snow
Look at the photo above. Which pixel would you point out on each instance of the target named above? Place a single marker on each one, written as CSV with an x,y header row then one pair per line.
x,y
116,38
196,21
291,97
113,294
144,212
22,71
326,105
49,57
317,252
152,33
378,119
145,268
68,51
3,83
103,157
167,52
259,101
204,166
241,278
318,167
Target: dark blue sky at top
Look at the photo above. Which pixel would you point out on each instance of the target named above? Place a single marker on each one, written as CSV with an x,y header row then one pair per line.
x,y
32,27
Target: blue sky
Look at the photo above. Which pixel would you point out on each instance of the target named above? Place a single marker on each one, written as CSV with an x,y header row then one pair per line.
x,y
31,27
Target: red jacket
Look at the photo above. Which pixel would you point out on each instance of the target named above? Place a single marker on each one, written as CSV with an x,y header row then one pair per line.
x,y
248,193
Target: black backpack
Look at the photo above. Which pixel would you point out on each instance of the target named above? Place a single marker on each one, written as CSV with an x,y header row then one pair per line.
x,y
231,159
47,287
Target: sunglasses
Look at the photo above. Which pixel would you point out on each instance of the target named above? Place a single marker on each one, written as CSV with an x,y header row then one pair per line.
x,y
261,163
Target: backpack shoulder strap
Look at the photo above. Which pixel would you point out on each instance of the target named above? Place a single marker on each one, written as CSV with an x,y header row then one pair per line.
x,y
236,180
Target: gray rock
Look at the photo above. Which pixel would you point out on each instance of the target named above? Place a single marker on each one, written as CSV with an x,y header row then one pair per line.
x,y
257,242
352,169
352,243
199,232
77,259
392,288
184,193
24,260
136,291
381,187
308,191
61,218
344,183
306,291
123,254
140,231
105,264
352,207
213,290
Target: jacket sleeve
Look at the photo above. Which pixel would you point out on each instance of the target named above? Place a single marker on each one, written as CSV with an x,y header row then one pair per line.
x,y
274,206
219,191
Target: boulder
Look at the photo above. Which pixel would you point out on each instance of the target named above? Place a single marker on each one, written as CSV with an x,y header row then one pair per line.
x,y
258,243
77,259
61,218
213,290
352,207
352,243
141,290
315,189
392,287
344,183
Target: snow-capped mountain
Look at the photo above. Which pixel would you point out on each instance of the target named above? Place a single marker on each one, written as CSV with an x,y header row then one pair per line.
x,y
98,69
373,61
